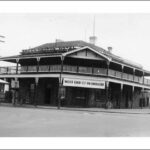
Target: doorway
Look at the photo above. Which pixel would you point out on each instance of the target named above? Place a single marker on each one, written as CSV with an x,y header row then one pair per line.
x,y
48,95
80,97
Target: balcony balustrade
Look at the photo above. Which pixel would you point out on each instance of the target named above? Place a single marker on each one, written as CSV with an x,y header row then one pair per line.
x,y
141,80
118,74
55,68
24,68
130,77
125,76
44,68
136,79
111,73
12,70
99,71
3,70
74,69
9,70
147,81
32,68
85,70
68,68
114,73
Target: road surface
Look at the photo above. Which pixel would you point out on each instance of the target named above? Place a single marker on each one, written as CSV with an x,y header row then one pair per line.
x,y
34,122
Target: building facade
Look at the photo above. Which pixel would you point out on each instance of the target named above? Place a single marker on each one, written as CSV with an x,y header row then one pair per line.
x,y
76,74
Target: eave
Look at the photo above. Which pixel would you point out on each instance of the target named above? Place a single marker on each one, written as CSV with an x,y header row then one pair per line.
x,y
13,59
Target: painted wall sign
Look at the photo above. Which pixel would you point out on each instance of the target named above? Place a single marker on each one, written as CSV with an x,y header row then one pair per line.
x,y
84,83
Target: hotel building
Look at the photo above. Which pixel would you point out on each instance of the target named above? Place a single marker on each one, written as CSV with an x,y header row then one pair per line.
x,y
75,74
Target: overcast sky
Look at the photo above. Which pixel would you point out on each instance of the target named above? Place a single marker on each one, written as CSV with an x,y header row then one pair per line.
x,y
128,34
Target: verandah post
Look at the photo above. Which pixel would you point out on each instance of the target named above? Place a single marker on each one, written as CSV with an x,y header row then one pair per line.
x,y
17,60
132,96
133,74
36,90
60,82
108,63
107,94
143,77
121,90
107,85
38,63
121,95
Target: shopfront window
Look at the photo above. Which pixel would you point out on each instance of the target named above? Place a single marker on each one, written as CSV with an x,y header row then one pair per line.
x,y
100,95
80,93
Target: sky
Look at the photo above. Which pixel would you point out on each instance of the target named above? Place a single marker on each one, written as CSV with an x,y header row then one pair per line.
x,y
127,33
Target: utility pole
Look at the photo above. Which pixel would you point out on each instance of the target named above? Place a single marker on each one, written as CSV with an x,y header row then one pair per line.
x,y
1,36
93,38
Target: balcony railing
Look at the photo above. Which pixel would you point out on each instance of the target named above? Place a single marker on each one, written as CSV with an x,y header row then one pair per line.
x,y
68,68
147,81
74,69
55,68
32,68
85,70
9,70
44,68
99,71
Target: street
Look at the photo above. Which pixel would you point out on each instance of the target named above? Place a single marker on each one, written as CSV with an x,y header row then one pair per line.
x,y
35,122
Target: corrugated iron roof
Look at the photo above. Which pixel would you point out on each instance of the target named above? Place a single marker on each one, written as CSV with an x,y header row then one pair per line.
x,y
79,43
60,47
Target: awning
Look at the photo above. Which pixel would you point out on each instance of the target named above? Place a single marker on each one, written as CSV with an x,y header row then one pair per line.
x,y
4,82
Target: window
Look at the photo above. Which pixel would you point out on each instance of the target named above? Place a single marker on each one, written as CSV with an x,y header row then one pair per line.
x,y
80,93
100,95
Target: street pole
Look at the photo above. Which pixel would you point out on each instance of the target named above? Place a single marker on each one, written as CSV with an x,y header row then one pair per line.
x,y
1,36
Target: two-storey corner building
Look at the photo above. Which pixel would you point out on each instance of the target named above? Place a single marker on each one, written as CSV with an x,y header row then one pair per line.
x,y
76,74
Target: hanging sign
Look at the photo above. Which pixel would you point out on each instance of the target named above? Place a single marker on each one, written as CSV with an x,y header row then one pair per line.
x,y
84,83
32,87
14,84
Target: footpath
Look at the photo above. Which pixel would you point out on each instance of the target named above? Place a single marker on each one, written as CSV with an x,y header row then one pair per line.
x,y
121,111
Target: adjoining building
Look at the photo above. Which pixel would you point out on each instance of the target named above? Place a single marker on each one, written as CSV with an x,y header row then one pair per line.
x,y
76,74
4,87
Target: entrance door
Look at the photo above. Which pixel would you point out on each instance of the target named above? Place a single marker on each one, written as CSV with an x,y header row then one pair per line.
x,y
48,95
126,100
80,97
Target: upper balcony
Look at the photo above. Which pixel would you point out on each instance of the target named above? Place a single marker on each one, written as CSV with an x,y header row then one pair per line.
x,y
93,71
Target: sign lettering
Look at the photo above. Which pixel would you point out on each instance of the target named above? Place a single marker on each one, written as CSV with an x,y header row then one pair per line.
x,y
97,84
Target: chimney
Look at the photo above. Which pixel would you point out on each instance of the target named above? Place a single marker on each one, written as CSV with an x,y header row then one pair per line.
x,y
110,49
93,39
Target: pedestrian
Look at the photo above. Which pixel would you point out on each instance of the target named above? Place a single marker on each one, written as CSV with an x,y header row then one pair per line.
x,y
109,105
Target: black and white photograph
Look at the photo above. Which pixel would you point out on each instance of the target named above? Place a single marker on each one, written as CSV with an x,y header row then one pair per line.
x,y
74,74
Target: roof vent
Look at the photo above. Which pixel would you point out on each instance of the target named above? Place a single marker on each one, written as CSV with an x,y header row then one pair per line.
x,y
110,49
58,40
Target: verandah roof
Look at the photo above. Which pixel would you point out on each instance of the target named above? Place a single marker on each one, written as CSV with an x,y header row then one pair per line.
x,y
3,82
